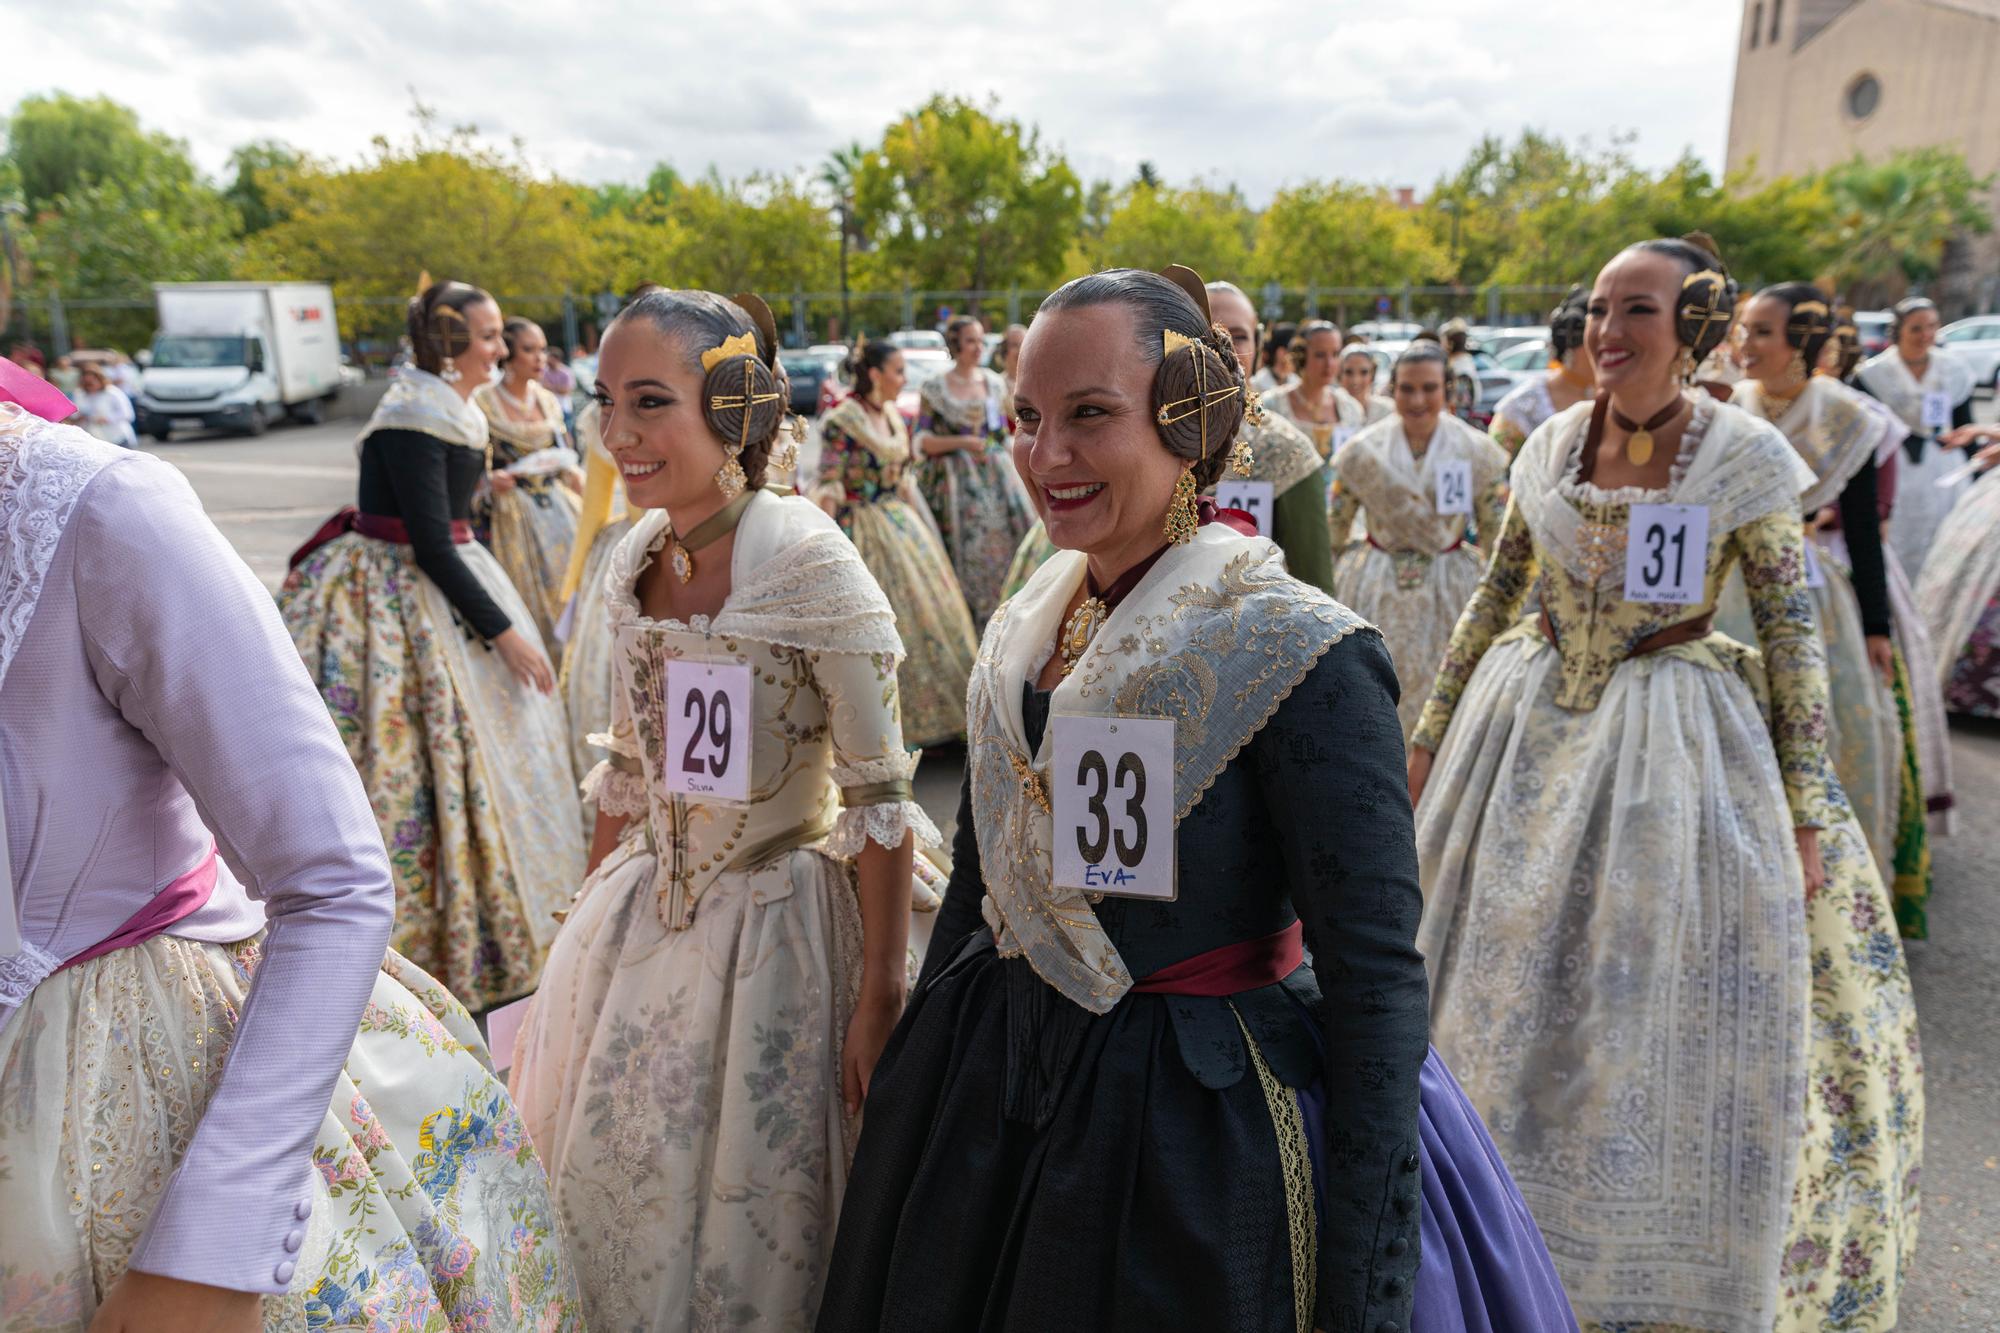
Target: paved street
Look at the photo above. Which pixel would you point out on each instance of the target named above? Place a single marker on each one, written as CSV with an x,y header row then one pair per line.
x,y
268,494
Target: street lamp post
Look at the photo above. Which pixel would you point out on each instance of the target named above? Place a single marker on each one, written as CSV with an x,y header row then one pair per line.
x,y
1452,207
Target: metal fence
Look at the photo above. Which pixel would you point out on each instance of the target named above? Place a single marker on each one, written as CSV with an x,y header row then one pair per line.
x,y
371,326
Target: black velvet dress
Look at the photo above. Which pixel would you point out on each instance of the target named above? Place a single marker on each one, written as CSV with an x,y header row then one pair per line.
x,y
1026,1165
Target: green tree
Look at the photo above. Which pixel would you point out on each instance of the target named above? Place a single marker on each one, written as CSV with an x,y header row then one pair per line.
x,y
257,166
60,144
1207,228
1894,217
957,197
764,234
1339,234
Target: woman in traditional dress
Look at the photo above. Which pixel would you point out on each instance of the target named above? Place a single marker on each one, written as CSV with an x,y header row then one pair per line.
x,y
1461,370
1661,957
1317,404
866,484
1136,1113
1840,434
528,512
965,473
1959,593
1569,380
1422,477
1930,391
586,676
694,1063
435,673
1357,377
1275,371
225,1109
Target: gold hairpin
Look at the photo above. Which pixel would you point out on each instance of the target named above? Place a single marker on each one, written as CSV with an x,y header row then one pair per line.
x,y
1172,342
749,400
739,344
1810,308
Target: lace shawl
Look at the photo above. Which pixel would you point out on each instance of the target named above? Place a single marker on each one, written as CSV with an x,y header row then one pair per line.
x,y
1398,490
1890,380
418,400
1741,468
44,469
523,438
1527,405
1279,453
965,416
1215,637
891,447
1832,427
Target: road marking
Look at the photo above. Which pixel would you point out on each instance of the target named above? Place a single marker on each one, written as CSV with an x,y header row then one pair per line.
x,y
263,469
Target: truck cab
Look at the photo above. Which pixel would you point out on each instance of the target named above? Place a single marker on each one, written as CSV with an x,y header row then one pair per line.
x,y
238,356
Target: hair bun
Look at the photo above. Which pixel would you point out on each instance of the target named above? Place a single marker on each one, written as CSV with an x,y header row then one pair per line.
x,y
1198,400
744,401
1701,240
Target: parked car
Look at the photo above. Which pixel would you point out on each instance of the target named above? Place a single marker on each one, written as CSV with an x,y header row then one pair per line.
x,y
809,371
1526,357
918,338
1385,330
1976,342
1500,341
1873,327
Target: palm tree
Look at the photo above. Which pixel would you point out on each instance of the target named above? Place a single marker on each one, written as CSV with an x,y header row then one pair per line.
x,y
837,173
1898,214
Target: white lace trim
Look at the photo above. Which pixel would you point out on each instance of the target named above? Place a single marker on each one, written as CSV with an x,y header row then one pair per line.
x,y
20,973
615,791
43,471
618,740
884,825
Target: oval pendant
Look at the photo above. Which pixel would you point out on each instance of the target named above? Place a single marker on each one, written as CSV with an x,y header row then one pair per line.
x,y
1639,448
683,563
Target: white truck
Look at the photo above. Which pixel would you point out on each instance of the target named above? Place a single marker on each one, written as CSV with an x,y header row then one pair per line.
x,y
238,356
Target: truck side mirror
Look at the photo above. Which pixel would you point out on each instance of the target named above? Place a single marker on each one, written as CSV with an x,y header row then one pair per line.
x,y
253,354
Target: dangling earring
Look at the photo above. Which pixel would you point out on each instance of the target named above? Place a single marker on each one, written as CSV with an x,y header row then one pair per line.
x,y
449,372
1800,372
1182,516
1684,366
729,478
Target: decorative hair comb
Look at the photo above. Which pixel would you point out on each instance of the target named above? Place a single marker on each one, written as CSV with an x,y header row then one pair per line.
x,y
737,344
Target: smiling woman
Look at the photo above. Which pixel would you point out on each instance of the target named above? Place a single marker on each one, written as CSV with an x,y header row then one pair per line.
x,y
1120,1097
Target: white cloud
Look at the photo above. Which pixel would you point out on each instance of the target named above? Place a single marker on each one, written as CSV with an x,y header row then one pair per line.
x,y
1256,91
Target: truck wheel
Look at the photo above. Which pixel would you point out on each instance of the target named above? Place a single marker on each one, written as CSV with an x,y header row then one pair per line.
x,y
257,424
162,433
309,413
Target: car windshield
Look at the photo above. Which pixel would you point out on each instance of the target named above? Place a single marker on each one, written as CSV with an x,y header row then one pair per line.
x,y
802,363
180,352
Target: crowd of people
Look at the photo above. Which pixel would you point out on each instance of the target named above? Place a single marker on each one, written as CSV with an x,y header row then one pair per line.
x,y
1406,875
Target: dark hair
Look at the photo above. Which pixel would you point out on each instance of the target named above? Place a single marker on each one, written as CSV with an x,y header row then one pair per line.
x,y
1184,384
865,360
510,334
699,321
956,325
1704,310
436,322
1566,322
1417,354
1282,334
1903,309
1846,336
646,288
1807,328
1312,328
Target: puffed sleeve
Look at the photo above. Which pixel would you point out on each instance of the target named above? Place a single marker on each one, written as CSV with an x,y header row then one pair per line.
x,y
1774,575
1489,511
870,766
617,784
1351,864
190,648
1496,603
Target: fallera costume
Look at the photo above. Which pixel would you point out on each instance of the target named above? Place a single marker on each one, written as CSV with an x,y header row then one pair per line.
x,y
394,608
587,676
1413,573
975,495
1921,504
1959,594
209,1070
1137,1115
1679,1054
680,1066
532,527
864,468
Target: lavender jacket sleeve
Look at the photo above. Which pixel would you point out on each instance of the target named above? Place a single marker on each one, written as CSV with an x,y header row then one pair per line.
x,y
189,647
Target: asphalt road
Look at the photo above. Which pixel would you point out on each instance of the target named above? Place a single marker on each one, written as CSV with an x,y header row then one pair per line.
x,y
269,494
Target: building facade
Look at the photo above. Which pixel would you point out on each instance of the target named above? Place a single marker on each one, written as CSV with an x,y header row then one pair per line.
x,y
1818,81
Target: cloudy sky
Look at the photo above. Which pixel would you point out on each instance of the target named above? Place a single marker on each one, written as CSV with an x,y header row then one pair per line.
x,y
1254,91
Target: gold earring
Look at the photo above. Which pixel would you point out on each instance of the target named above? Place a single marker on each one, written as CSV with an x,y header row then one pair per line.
x,y
730,478
1182,514
1684,366
449,372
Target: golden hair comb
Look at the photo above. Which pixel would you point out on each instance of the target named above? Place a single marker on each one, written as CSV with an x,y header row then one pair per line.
x,y
739,344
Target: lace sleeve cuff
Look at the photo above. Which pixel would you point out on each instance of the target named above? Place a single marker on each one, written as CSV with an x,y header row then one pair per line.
x,y
620,742
885,824
617,790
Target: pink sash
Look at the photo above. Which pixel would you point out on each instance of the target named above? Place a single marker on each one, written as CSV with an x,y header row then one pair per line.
x,y
168,908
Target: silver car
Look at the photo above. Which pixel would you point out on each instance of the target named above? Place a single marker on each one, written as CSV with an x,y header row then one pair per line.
x,y
1976,343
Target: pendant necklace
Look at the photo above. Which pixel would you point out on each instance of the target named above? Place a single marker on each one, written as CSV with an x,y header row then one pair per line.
x,y
1639,443
705,533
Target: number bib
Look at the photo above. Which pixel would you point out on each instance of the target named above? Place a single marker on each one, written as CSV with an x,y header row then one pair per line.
x,y
1341,435
1666,554
503,1025
1114,806
1454,487
1252,497
1937,410
708,730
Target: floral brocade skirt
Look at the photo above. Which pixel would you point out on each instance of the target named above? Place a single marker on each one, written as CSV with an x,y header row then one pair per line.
x,y
902,551
1711,1099
1414,598
430,1209
982,510
468,771
531,530
684,1088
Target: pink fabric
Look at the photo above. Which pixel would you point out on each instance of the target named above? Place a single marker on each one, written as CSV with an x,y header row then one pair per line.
x,y
170,906
33,392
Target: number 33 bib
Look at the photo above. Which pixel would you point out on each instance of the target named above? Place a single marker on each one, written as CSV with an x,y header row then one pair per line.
x,y
1114,806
